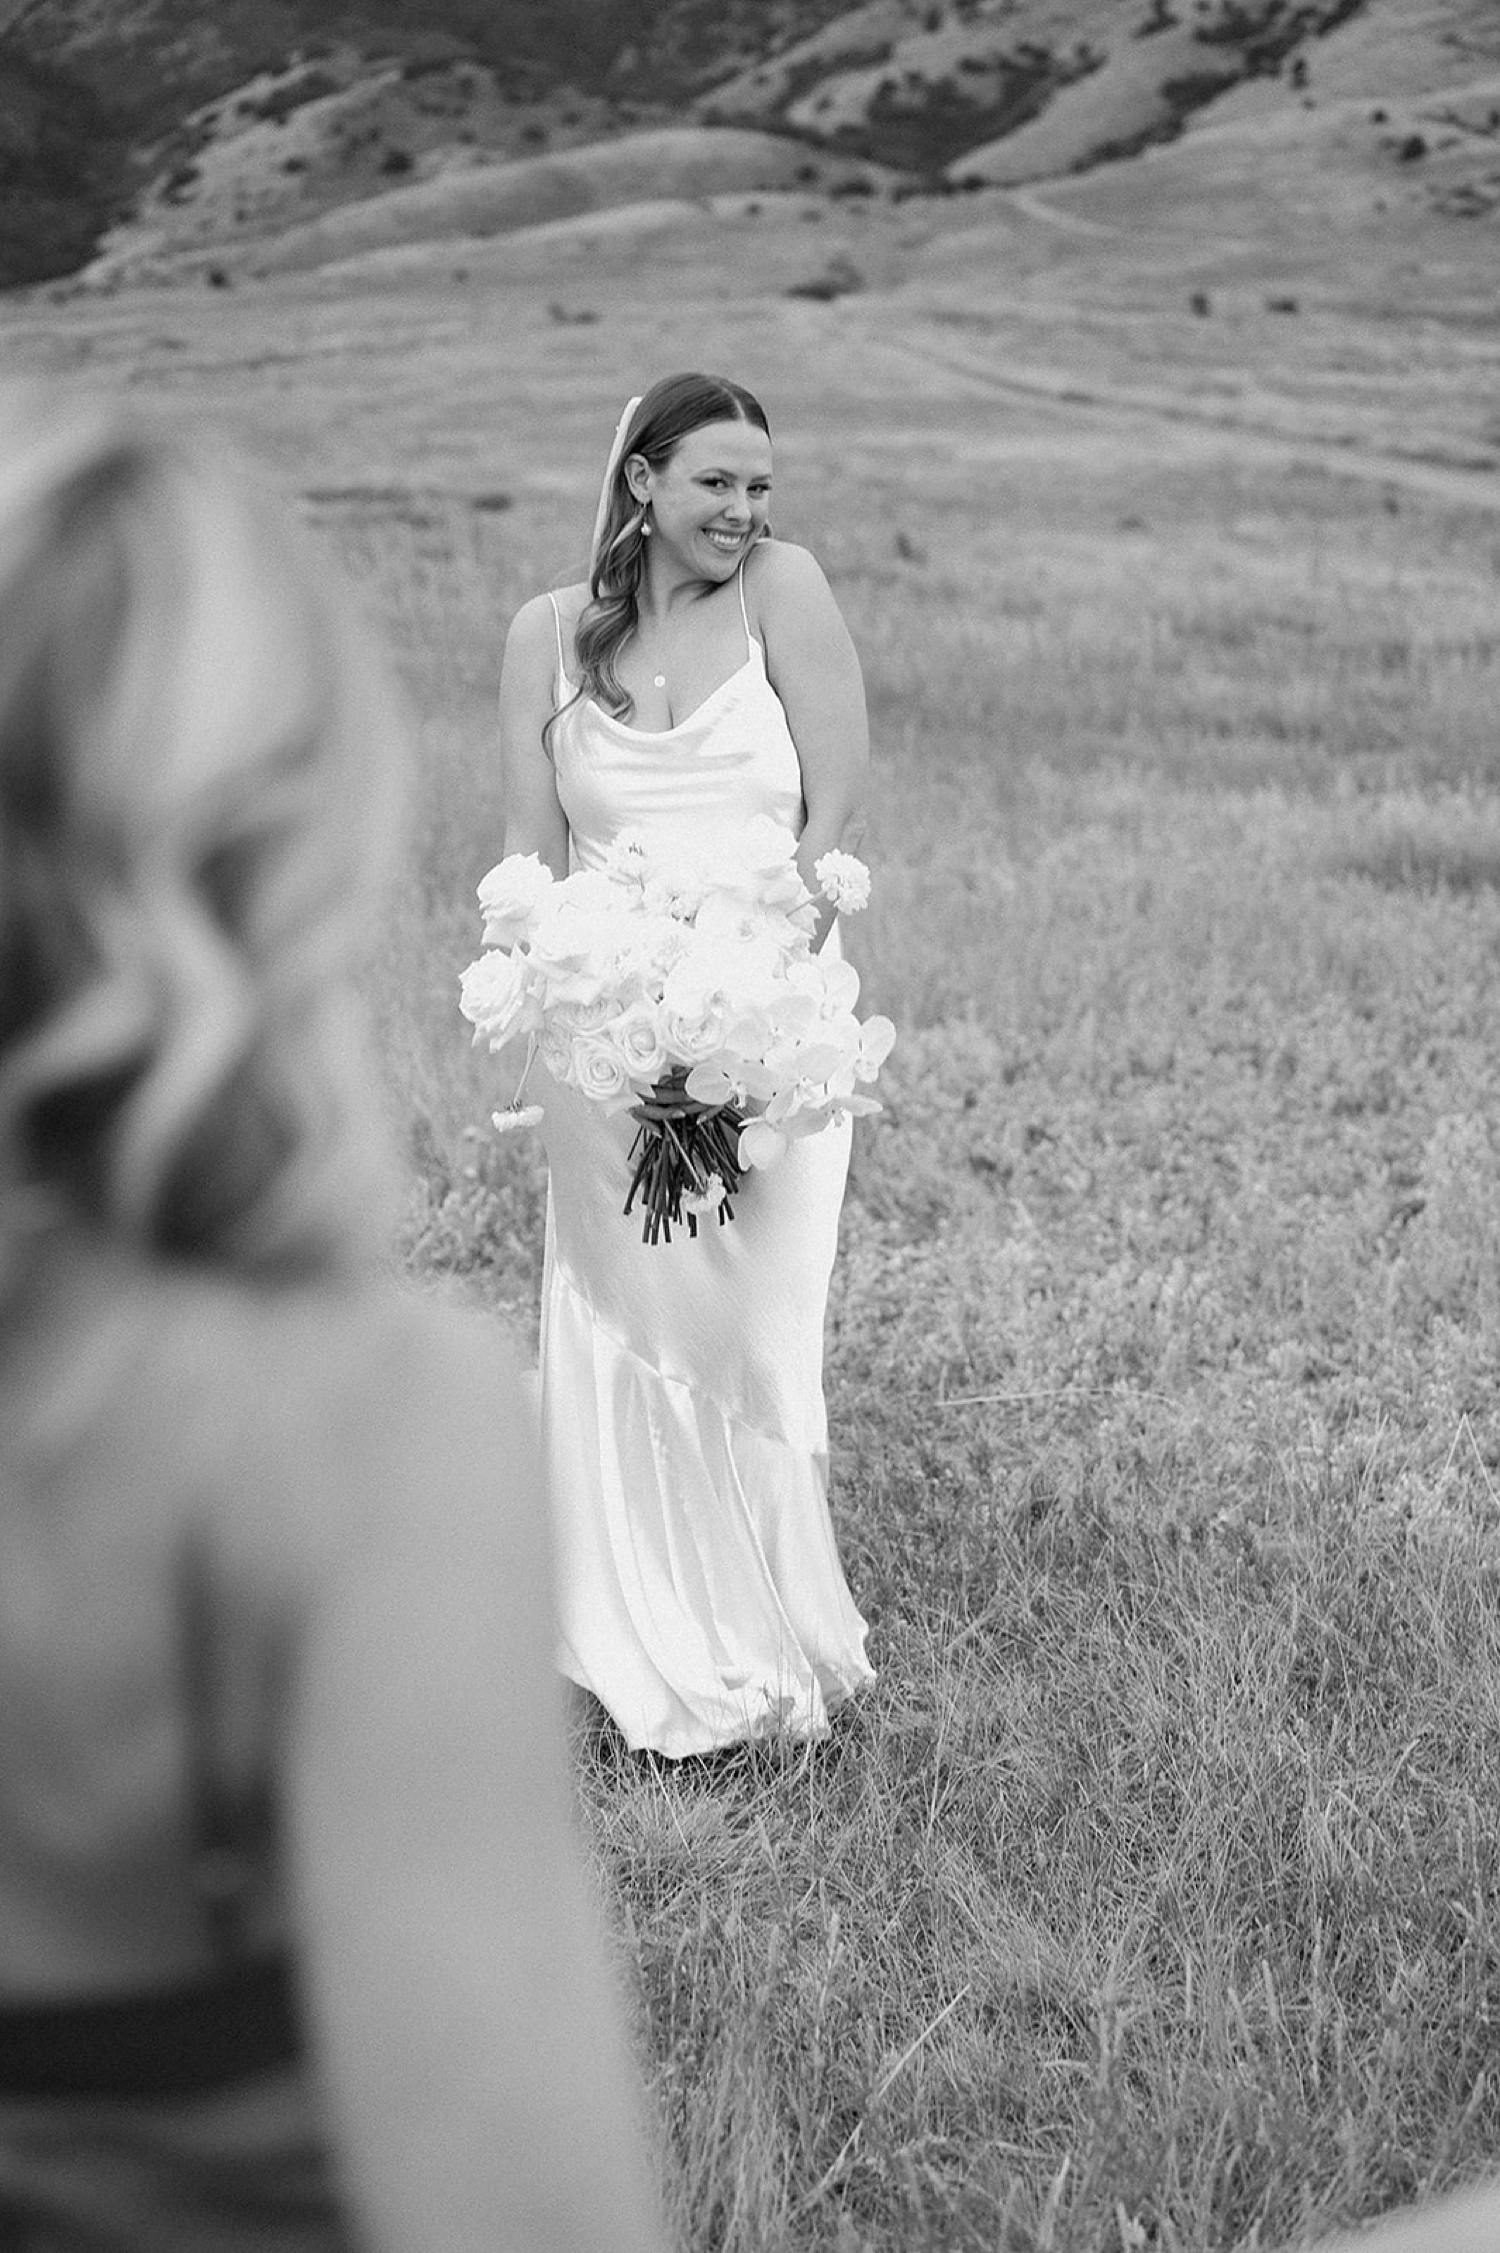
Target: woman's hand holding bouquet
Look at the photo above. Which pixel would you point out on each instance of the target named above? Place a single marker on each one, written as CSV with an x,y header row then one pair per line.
x,y
677,981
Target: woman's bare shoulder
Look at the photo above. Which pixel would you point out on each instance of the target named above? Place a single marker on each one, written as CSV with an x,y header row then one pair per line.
x,y
780,570
534,619
534,628
786,588
568,603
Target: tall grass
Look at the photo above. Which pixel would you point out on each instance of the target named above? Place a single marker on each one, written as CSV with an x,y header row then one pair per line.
x,y
1149,1899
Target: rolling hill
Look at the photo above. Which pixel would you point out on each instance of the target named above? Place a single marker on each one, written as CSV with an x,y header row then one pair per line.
x,y
147,138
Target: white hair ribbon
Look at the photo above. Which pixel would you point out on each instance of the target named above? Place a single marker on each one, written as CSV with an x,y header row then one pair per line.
x,y
616,449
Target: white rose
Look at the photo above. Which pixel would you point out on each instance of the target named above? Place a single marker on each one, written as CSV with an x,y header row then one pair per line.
x,y
574,952
494,994
692,1037
597,1071
575,1017
637,1039
509,894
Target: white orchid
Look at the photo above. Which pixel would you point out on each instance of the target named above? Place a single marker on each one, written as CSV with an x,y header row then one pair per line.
x,y
877,1037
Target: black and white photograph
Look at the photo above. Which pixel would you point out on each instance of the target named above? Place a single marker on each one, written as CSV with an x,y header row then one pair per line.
x,y
750,1126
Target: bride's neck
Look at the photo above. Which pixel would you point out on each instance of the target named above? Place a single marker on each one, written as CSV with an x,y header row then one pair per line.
x,y
664,591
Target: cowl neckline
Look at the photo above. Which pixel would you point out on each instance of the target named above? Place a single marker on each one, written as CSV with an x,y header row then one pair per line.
x,y
656,735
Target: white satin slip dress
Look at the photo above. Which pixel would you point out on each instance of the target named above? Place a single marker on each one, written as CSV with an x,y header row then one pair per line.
x,y
700,1593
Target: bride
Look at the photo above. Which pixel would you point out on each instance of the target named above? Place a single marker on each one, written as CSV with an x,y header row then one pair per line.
x,y
702,674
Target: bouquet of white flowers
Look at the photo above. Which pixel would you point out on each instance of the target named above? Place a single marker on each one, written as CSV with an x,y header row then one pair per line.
x,y
677,981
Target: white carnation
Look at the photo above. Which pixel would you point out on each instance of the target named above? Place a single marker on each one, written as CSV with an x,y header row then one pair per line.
x,y
845,881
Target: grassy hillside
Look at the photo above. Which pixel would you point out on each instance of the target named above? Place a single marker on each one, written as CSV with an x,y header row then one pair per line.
x,y
471,203
150,68
922,85
1145,1902
229,125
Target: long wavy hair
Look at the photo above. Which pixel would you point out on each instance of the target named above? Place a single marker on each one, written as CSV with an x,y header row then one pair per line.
x,y
198,782
667,413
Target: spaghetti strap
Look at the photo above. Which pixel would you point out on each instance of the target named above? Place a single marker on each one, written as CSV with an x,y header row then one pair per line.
x,y
562,663
744,613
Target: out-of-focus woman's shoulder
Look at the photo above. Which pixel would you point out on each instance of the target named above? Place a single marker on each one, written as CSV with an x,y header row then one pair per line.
x,y
379,1416
286,1427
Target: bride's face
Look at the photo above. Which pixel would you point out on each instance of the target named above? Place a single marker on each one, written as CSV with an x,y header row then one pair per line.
x,y
709,500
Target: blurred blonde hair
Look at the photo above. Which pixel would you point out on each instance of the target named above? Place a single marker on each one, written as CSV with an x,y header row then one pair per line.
x,y
197,791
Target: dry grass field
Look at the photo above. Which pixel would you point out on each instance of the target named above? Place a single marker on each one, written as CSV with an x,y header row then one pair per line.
x,y
1150,1899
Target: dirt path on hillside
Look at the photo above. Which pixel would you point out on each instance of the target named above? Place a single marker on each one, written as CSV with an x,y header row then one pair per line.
x,y
1032,204
1467,484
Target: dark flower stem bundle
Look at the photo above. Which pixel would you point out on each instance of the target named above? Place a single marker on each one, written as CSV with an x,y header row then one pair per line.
x,y
683,1149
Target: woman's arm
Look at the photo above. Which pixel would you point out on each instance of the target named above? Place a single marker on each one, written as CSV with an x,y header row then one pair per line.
x,y
812,666
534,819
471,2038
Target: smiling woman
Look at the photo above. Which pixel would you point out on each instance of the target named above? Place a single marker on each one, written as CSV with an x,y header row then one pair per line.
x,y
698,478
701,680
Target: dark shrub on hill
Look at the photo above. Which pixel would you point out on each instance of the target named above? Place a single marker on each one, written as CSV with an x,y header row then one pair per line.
x,y
292,94
922,124
1266,31
526,44
59,169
